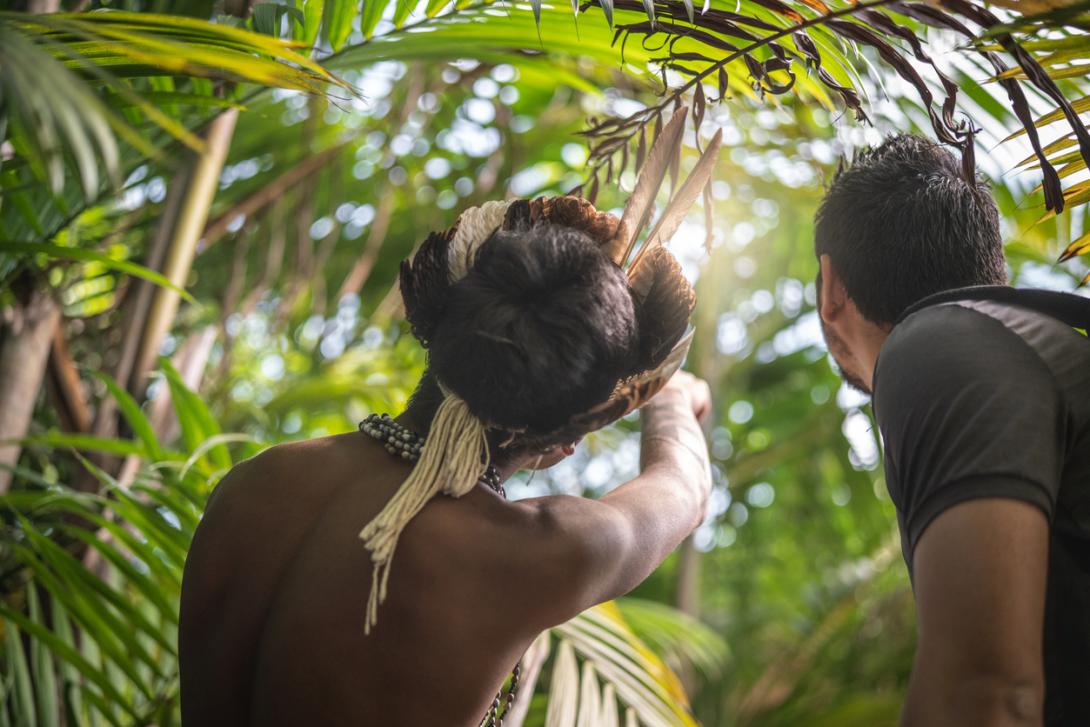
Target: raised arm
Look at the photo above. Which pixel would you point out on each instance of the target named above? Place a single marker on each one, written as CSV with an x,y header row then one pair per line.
x,y
581,552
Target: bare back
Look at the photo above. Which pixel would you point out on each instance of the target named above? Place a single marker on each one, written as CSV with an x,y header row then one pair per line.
x,y
277,582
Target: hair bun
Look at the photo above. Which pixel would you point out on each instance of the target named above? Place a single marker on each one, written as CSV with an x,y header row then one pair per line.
x,y
541,328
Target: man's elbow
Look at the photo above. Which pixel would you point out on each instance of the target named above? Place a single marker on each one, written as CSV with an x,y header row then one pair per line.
x,y
984,699
1011,701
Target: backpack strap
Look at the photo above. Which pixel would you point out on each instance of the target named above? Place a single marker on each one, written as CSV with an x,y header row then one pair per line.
x,y
1072,309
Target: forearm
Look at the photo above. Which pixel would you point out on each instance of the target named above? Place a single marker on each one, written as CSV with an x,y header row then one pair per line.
x,y
674,452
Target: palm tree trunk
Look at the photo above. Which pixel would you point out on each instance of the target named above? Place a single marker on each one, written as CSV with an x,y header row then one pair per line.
x,y
139,302
200,191
357,276
41,7
26,334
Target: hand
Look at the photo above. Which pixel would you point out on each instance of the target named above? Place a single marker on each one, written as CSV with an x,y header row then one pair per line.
x,y
695,390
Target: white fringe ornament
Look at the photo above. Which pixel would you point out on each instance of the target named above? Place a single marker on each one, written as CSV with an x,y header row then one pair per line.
x,y
454,457
455,454
475,225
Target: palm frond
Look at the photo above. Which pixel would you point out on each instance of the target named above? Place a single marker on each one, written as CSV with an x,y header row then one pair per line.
x,y
74,86
639,678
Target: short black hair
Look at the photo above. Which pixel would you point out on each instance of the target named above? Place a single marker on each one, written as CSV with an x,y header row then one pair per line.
x,y
541,328
902,222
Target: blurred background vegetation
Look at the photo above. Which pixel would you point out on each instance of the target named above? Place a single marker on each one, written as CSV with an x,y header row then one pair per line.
x,y
203,206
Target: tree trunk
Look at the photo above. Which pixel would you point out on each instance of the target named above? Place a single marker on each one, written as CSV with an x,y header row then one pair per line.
x,y
357,276
26,334
139,302
41,7
65,389
200,191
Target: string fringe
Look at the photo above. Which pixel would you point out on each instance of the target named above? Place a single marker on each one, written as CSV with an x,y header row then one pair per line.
x,y
454,457
475,225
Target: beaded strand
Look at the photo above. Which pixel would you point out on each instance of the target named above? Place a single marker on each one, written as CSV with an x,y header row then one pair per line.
x,y
402,442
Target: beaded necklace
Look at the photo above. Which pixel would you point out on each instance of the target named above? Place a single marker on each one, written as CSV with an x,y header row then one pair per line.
x,y
402,442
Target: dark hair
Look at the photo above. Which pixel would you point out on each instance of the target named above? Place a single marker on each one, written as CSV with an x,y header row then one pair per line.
x,y
903,222
542,327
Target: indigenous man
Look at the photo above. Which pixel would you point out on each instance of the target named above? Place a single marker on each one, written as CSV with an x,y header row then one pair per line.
x,y
535,336
982,395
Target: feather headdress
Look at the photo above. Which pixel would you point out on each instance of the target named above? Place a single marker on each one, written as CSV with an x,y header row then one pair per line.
x,y
455,454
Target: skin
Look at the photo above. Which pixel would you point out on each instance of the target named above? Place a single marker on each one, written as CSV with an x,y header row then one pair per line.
x,y
276,581
979,571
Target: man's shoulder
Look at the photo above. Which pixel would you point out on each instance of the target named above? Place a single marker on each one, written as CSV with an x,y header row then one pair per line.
x,y
956,357
982,339
959,324
941,341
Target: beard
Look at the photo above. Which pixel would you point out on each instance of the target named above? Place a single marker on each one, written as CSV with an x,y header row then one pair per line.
x,y
839,351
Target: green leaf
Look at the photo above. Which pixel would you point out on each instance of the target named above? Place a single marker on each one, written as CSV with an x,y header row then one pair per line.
x,y
434,6
607,9
267,18
45,676
63,651
134,416
87,443
139,581
84,255
402,11
370,14
313,12
91,622
337,17
81,581
23,702
196,420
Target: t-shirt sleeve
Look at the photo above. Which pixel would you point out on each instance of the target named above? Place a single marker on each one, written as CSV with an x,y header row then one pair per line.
x,y
967,410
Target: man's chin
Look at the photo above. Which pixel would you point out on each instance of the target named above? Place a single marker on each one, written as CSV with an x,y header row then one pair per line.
x,y
854,382
837,349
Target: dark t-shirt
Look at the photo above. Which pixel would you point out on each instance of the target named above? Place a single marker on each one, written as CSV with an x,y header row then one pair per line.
x,y
978,398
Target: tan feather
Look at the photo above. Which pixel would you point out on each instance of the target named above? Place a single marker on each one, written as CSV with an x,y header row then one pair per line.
x,y
637,211
679,206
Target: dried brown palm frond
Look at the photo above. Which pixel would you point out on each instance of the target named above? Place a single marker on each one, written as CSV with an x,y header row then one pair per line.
x,y
810,47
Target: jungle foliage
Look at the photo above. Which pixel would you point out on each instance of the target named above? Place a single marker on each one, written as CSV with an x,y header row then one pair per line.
x,y
202,210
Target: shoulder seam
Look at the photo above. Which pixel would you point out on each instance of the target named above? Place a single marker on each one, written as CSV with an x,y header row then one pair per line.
x,y
1057,391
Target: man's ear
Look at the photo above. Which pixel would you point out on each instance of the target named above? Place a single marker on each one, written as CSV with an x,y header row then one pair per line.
x,y
832,297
